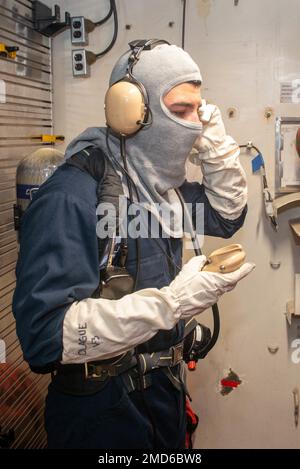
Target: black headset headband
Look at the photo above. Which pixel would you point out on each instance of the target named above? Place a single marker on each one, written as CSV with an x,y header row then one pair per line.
x,y
138,46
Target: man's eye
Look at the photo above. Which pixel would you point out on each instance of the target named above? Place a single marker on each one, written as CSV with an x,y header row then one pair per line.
x,y
180,114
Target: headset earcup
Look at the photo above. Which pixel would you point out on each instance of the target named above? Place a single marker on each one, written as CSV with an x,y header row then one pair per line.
x,y
125,108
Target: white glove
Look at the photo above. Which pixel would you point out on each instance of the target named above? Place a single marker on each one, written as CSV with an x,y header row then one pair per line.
x,y
213,141
196,290
100,329
218,155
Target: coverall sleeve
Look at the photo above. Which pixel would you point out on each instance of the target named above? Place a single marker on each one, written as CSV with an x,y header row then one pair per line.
x,y
57,264
214,223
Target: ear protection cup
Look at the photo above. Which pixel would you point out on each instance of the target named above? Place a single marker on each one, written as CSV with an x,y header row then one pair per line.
x,y
125,108
126,102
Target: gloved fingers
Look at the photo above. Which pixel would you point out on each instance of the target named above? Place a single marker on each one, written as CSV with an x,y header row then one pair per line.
x,y
202,144
203,105
206,111
197,290
239,274
195,264
216,117
194,158
227,282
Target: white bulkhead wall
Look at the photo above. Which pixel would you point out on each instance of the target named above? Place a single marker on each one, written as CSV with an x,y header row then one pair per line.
x,y
244,52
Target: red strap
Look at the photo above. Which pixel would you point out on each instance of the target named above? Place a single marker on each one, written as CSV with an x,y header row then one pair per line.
x,y
191,424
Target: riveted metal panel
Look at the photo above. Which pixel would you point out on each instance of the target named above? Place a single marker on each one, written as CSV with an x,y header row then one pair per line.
x,y
41,94
25,72
7,238
10,109
22,30
21,103
7,279
12,151
28,48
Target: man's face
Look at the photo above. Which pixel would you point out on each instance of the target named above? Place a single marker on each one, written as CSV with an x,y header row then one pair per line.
x,y
184,101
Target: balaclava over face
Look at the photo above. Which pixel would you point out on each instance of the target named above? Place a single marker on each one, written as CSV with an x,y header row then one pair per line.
x,y
156,155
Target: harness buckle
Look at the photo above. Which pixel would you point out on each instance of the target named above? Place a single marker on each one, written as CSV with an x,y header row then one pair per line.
x,y
177,354
97,372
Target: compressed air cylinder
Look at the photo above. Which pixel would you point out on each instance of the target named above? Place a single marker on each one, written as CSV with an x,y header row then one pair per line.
x,y
33,170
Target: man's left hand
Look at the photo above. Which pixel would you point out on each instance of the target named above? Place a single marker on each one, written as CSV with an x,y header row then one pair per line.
x,y
213,141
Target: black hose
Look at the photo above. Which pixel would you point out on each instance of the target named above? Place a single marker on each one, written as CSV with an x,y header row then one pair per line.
x,y
198,252
114,159
183,24
115,35
129,184
106,18
250,148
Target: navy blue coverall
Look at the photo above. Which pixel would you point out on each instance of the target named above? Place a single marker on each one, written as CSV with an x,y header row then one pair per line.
x,y
58,264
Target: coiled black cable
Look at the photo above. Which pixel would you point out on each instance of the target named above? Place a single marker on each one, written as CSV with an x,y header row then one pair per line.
x,y
106,18
115,35
198,252
183,24
129,184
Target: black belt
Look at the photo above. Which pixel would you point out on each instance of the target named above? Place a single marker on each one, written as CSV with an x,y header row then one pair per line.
x,y
91,377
